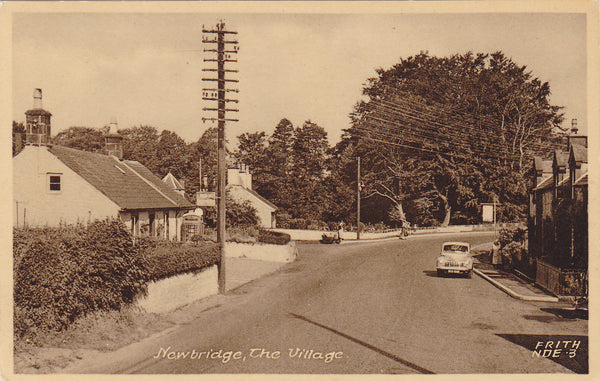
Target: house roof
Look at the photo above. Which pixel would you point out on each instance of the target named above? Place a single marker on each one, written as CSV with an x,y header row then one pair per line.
x,y
547,183
561,158
262,198
564,182
127,183
579,153
256,195
544,165
172,181
582,180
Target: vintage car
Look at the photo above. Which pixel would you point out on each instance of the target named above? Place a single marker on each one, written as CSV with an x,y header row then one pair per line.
x,y
455,259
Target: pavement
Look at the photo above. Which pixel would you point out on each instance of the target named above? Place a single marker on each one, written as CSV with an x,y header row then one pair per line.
x,y
517,287
244,270
514,286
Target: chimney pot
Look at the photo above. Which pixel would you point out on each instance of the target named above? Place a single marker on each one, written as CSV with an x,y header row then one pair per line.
x,y
37,99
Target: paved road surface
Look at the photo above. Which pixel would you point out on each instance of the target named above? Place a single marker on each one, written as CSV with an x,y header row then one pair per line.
x,y
365,308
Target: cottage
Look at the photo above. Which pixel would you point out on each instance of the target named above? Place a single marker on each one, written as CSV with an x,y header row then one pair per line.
x,y
239,188
558,220
55,185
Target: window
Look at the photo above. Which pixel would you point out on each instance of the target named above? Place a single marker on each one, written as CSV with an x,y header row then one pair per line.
x,y
54,182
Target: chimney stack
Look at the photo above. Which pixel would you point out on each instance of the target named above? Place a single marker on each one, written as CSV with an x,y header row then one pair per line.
x,y
574,138
37,122
113,140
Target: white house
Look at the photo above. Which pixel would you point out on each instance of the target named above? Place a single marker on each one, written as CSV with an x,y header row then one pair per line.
x,y
239,187
55,185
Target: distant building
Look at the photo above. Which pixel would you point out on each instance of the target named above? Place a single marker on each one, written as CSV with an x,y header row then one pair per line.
x,y
55,185
558,219
175,184
239,187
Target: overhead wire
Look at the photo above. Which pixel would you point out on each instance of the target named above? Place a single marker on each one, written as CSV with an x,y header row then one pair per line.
x,y
463,126
401,109
487,120
435,137
435,133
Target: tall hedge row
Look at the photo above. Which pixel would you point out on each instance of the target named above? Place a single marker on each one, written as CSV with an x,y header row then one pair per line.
x,y
60,274
166,259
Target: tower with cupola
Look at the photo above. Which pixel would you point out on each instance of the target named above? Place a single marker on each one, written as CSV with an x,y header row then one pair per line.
x,y
37,122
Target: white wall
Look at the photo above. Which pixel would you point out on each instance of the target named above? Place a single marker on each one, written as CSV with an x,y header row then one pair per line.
x,y
176,291
35,204
263,252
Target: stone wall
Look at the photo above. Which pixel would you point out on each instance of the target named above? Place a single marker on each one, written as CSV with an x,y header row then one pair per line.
x,y
171,293
263,252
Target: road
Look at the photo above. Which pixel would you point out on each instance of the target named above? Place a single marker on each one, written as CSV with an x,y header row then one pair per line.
x,y
364,308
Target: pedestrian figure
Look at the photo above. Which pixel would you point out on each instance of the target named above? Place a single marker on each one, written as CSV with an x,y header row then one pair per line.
x,y
496,257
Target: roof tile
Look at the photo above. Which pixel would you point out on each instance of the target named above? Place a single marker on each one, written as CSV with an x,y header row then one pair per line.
x,y
127,183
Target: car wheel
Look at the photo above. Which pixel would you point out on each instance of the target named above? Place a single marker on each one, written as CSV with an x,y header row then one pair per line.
x,y
440,273
468,274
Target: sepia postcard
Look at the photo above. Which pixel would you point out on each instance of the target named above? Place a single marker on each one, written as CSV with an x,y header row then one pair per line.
x,y
309,190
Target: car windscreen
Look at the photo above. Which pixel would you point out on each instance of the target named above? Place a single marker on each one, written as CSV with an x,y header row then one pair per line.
x,y
461,248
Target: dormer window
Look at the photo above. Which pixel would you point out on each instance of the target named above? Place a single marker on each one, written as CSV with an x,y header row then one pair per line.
x,y
54,182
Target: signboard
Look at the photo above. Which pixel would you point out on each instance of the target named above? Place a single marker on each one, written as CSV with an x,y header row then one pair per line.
x,y
487,212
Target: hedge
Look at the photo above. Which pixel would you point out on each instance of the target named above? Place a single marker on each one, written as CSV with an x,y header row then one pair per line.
x,y
166,259
61,274
275,238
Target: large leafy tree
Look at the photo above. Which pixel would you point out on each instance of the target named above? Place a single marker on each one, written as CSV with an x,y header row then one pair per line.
x,y
140,144
252,151
83,138
436,133
172,155
279,160
290,168
204,153
309,196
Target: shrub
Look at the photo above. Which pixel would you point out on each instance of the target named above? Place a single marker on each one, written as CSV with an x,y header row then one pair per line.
x,y
297,223
333,226
508,235
283,220
316,225
242,234
240,214
275,238
63,273
166,259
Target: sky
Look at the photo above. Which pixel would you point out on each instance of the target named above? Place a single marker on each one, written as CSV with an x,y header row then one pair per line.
x,y
146,69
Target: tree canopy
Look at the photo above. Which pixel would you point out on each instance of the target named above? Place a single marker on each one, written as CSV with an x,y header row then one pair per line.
x,y
441,135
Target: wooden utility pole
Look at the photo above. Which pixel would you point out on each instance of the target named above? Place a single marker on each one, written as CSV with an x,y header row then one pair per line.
x,y
358,198
217,94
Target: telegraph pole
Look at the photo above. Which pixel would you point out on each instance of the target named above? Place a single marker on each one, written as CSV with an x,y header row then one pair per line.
x,y
224,50
358,198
